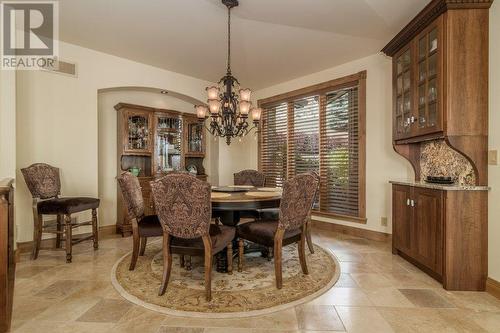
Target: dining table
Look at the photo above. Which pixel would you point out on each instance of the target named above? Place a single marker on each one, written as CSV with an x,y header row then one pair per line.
x,y
229,203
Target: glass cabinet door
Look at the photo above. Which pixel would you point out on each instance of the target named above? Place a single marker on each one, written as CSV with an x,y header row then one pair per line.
x,y
168,143
427,80
195,138
137,132
403,110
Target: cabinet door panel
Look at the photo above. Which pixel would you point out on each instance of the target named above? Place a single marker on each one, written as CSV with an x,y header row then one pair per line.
x,y
427,228
402,91
401,218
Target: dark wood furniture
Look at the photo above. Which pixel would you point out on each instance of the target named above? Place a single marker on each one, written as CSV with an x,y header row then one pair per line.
x,y
7,261
295,209
440,92
442,232
157,141
229,208
143,226
183,206
440,81
45,186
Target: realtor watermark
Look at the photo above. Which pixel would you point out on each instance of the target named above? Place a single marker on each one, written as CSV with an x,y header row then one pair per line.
x,y
30,35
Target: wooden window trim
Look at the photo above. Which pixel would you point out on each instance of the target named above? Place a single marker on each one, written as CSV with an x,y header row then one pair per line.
x,y
358,79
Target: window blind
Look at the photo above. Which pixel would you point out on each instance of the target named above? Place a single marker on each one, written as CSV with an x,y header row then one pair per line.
x,y
339,153
318,130
273,148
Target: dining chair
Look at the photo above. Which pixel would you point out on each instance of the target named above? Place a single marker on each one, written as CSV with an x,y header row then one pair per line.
x,y
249,177
143,226
290,227
273,214
44,183
184,208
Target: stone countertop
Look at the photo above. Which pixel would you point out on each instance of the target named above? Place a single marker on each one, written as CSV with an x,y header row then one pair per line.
x,y
454,187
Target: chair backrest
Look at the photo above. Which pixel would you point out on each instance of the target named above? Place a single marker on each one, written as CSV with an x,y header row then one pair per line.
x,y
183,205
43,180
249,177
297,200
132,194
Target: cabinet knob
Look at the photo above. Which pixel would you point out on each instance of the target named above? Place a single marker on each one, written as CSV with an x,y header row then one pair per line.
x,y
412,203
412,119
407,202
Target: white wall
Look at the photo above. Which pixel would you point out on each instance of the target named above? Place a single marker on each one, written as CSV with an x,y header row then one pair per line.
x,y
382,163
108,134
7,124
57,119
494,143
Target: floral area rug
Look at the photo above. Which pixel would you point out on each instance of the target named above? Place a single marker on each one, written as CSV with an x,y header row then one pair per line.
x,y
249,293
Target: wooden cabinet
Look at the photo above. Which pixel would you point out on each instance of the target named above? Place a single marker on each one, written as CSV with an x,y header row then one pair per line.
x,y
443,233
155,141
417,85
418,224
194,136
7,261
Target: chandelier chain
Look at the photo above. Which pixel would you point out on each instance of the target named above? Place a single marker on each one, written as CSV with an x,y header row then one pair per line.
x,y
229,39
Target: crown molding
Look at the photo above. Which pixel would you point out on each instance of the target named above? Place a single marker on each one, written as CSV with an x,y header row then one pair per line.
x,y
432,11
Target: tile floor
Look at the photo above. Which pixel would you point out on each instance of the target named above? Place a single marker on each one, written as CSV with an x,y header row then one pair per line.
x,y
377,292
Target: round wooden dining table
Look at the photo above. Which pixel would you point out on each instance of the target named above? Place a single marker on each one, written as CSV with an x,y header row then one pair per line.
x,y
229,202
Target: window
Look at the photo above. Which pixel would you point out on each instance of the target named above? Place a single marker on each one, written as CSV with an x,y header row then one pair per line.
x,y
319,128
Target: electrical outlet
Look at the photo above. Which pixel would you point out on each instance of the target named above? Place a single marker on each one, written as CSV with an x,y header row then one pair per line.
x,y
492,157
383,221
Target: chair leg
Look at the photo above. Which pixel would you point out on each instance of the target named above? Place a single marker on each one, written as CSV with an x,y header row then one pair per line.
x,y
308,237
208,267
69,237
188,265
135,249
144,240
167,264
95,229
302,251
182,262
59,230
37,236
278,243
230,258
241,254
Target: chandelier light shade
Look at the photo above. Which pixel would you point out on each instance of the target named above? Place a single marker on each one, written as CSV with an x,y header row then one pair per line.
x,y
245,94
229,104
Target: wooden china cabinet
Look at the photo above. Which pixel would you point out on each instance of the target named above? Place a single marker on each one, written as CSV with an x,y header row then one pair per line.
x,y
156,142
440,92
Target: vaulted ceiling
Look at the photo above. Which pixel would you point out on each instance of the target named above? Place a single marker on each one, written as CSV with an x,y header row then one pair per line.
x,y
272,40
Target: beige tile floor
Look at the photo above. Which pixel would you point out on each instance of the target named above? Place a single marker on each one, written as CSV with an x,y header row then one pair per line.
x,y
377,292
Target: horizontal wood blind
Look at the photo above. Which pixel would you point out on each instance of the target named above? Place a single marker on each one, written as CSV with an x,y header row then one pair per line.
x,y
319,130
339,153
273,148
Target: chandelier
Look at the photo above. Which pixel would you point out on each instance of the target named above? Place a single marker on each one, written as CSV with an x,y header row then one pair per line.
x,y
228,110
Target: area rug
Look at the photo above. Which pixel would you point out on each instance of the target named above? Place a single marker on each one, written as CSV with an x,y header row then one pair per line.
x,y
242,294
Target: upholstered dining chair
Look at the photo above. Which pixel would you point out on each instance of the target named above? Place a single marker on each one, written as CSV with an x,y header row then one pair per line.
x,y
44,183
249,177
184,208
273,214
143,226
290,227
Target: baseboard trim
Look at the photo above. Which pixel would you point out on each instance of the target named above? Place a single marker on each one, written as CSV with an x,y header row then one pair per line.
x,y
493,287
352,231
25,247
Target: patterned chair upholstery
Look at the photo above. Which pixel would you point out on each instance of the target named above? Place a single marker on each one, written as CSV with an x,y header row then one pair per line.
x,y
290,227
142,226
273,214
249,177
184,208
44,183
